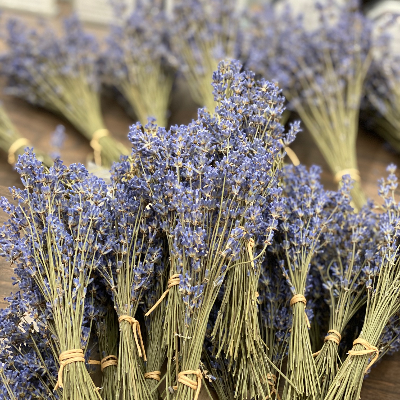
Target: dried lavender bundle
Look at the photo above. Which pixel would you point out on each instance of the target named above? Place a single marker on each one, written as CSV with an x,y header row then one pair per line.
x,y
156,351
139,62
222,380
275,317
196,177
342,265
322,74
133,249
13,143
383,285
61,75
54,234
204,33
107,332
236,331
303,218
27,363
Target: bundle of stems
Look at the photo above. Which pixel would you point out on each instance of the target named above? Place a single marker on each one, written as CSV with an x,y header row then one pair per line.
x,y
139,62
54,232
133,251
342,266
107,329
275,317
322,74
20,341
156,351
204,33
382,287
61,75
304,217
13,143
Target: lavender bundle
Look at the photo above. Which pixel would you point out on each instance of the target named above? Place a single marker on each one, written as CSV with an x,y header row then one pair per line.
x,y
303,219
236,331
343,265
195,177
13,143
382,285
139,63
60,74
156,351
107,328
54,234
27,363
132,252
322,73
204,33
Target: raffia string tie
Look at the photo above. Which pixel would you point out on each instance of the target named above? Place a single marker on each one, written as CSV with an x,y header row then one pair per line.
x,y
14,147
299,298
156,375
136,333
173,281
369,349
68,357
336,337
95,143
353,172
182,378
105,362
271,378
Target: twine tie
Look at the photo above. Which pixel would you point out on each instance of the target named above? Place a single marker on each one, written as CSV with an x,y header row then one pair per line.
x,y
68,357
182,378
173,281
299,298
136,333
105,362
14,147
353,172
336,337
271,379
156,375
95,144
369,349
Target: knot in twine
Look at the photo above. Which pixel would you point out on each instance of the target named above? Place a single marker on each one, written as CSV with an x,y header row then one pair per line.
x,y
173,281
68,357
14,147
369,349
182,378
105,362
95,144
136,332
271,378
299,298
156,375
336,337
353,172
250,247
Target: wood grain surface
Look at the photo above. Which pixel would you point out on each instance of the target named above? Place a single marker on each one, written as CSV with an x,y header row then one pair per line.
x,y
37,125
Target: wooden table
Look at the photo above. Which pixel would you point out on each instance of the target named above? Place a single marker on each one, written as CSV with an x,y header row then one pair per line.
x,y
37,125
